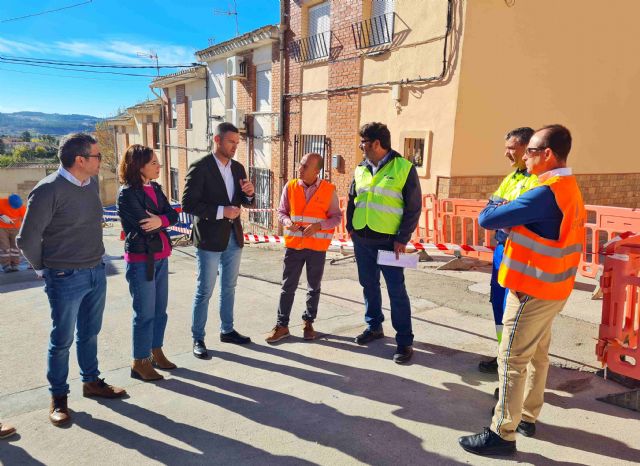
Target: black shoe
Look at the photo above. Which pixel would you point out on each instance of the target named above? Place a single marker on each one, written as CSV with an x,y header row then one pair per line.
x,y
496,394
489,367
403,354
487,443
234,337
199,349
368,336
528,429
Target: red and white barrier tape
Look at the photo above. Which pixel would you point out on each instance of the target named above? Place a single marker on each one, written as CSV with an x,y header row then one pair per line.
x,y
256,239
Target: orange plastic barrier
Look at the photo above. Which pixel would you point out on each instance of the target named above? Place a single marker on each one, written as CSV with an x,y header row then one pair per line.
x,y
604,223
617,346
458,224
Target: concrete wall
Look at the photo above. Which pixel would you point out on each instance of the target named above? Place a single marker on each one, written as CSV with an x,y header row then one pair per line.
x,y
21,180
314,110
425,111
197,135
572,62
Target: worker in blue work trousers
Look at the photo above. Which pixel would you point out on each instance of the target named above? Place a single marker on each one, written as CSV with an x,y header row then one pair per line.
x,y
512,186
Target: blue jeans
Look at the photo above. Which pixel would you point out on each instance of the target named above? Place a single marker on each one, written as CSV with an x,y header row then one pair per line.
x,y
369,276
77,298
498,294
149,306
227,262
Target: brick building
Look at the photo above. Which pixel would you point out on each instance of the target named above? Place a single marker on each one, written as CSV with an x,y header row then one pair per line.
x,y
451,77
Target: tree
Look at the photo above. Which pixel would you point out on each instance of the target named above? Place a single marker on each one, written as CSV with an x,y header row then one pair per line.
x,y
2,146
26,136
104,135
21,153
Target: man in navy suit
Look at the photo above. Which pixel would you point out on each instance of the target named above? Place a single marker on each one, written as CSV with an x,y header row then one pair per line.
x,y
216,186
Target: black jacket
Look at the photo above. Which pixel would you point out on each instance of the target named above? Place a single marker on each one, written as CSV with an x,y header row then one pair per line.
x,y
132,206
204,192
412,196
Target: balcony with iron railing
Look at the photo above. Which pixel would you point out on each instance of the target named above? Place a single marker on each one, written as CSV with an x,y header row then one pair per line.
x,y
374,31
311,48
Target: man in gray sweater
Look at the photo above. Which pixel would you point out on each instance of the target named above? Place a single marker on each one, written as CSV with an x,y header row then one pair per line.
x,y
61,237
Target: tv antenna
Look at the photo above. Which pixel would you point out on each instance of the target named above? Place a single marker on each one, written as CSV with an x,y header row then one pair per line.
x,y
151,55
232,11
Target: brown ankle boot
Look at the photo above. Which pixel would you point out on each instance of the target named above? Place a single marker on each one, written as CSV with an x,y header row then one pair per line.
x,y
309,333
142,369
58,411
160,360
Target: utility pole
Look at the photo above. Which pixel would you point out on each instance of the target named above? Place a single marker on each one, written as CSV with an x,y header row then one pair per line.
x,y
232,11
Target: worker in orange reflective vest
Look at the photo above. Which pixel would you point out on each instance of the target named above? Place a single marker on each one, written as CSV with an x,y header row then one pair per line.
x,y
12,212
541,257
309,211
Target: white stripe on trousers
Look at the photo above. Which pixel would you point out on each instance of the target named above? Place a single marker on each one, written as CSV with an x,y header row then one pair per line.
x,y
503,392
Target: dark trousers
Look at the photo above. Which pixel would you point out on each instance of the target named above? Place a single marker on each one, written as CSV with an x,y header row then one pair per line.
x,y
369,274
294,260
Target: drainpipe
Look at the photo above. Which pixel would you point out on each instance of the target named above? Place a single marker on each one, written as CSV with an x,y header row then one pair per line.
x,y
163,146
281,36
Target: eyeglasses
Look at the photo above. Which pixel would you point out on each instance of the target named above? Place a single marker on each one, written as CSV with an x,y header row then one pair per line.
x,y
531,150
364,141
99,156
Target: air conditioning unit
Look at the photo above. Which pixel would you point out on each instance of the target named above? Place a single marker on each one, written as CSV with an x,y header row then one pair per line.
x,y
236,68
235,116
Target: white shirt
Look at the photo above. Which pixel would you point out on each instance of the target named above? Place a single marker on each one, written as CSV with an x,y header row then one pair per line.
x,y
69,177
227,177
374,168
566,171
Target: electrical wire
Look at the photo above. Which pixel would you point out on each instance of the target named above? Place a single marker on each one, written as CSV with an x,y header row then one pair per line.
x,y
64,75
84,71
13,59
45,12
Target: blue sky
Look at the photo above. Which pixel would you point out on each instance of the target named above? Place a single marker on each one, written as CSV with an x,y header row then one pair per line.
x,y
108,31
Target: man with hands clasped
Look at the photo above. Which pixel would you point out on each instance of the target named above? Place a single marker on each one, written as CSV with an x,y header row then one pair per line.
x,y
215,188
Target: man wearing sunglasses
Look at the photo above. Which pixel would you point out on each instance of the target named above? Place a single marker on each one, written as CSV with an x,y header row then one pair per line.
x,y
61,237
539,265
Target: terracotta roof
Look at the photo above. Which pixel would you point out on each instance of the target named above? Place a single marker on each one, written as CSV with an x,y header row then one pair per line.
x,y
248,40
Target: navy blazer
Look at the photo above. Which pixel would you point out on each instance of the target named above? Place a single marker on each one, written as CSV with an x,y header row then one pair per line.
x,y
204,192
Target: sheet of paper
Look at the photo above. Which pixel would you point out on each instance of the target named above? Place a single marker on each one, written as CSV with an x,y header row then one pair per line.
x,y
407,261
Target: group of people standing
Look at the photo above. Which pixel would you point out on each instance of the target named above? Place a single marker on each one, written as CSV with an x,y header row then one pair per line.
x,y
539,224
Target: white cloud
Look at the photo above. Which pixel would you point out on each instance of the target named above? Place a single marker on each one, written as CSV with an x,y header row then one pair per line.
x,y
117,51
113,51
14,47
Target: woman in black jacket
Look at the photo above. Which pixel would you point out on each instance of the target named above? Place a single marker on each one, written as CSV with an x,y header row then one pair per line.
x,y
145,214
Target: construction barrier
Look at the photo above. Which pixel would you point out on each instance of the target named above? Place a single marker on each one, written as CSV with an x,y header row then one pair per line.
x,y
603,224
619,332
455,221
458,223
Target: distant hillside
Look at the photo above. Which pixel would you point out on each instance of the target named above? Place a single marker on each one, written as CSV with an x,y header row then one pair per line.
x,y
45,123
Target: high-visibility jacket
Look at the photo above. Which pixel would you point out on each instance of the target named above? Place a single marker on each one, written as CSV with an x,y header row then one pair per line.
x,y
514,184
379,204
17,215
305,213
541,267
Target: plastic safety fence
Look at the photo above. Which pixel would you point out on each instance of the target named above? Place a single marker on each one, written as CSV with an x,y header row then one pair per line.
x,y
619,331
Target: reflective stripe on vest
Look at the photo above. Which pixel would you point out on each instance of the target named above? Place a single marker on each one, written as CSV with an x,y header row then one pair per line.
x,y
379,204
305,213
541,267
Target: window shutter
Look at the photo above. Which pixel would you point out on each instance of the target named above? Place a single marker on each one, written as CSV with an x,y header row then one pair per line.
x,y
263,87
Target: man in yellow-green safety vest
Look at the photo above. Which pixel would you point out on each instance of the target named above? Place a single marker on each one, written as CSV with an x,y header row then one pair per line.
x,y
512,186
384,207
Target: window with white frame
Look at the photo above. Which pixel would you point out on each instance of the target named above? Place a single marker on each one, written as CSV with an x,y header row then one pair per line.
x,y
189,104
381,21
174,114
319,31
263,88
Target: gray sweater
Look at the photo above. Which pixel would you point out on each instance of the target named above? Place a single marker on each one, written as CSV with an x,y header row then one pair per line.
x,y
62,228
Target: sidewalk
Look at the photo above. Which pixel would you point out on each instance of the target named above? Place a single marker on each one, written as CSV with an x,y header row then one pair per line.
x,y
323,402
